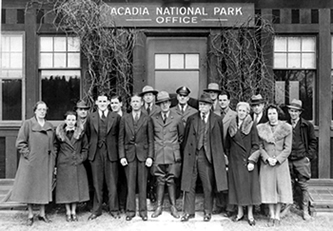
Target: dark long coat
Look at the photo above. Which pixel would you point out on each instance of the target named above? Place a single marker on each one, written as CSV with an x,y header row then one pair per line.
x,y
33,181
244,186
72,181
215,140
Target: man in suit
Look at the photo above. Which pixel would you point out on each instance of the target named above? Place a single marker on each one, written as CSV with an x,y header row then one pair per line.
x,y
136,149
214,90
168,135
148,95
258,105
102,132
227,115
182,108
203,156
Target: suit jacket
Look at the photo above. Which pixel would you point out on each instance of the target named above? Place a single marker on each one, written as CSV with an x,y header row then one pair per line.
x,y
139,144
215,142
155,110
262,120
167,138
226,121
113,120
187,113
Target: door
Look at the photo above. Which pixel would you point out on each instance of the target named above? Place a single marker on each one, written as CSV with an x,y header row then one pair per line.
x,y
177,61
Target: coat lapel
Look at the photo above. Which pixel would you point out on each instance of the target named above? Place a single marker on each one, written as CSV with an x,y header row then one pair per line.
x,y
110,120
94,119
140,121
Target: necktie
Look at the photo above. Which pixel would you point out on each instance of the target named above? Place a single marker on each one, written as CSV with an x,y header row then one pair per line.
x,y
204,118
136,118
164,117
294,123
103,115
148,109
182,108
223,114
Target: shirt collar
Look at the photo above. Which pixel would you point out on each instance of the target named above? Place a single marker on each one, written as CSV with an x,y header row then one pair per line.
x,y
106,112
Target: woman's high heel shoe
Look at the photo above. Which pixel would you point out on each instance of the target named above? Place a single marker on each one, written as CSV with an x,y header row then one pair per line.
x,y
44,218
68,218
237,218
251,222
74,217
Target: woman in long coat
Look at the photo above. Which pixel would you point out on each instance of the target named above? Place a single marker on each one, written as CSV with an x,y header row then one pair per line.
x,y
242,141
33,181
72,182
275,147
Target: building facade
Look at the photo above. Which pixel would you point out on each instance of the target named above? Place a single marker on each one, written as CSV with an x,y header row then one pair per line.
x,y
40,63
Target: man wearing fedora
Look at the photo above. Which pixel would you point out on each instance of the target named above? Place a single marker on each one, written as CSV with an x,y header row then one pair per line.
x,y
182,108
168,136
204,157
214,90
257,105
304,149
136,150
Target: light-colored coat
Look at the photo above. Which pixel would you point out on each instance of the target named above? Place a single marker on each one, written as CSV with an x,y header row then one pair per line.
x,y
275,182
231,114
33,181
72,181
187,113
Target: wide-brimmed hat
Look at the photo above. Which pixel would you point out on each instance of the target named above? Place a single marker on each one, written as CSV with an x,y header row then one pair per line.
x,y
162,96
183,91
148,89
296,104
213,87
81,104
205,98
257,99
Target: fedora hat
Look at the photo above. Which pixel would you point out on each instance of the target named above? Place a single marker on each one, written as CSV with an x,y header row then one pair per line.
x,y
81,104
213,87
183,91
205,98
148,89
257,99
162,96
296,104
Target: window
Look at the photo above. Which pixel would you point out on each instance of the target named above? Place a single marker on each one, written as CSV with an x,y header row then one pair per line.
x,y
295,71
60,72
12,76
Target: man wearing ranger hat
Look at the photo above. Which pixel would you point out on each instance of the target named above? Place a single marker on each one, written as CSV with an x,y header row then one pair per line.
x,y
304,149
214,90
168,135
182,108
203,156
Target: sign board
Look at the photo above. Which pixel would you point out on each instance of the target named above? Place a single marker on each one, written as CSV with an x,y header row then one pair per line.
x,y
190,15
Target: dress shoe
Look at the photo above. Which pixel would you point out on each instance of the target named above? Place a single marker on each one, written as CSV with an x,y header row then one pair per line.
x,y
218,211
207,216
30,221
92,217
68,218
157,212
237,218
44,218
187,217
129,218
251,222
174,212
228,214
144,217
115,215
74,217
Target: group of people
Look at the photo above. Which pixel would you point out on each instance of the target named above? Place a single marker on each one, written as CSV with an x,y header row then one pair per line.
x,y
243,158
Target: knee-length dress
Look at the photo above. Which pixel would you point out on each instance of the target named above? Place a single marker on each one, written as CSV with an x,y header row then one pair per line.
x,y
244,186
72,182
33,181
275,181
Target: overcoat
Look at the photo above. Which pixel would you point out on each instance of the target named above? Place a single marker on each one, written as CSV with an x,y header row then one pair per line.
x,y
184,115
244,186
275,182
167,139
155,109
72,181
33,181
229,116
215,140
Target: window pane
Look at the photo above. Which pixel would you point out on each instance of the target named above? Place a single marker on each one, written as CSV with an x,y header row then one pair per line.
x,y
73,44
73,60
5,43
308,44
192,61
11,99
308,60
161,61
176,61
46,60
298,84
60,91
280,60
294,60
59,43
16,43
5,62
46,44
16,60
59,60
280,44
294,44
